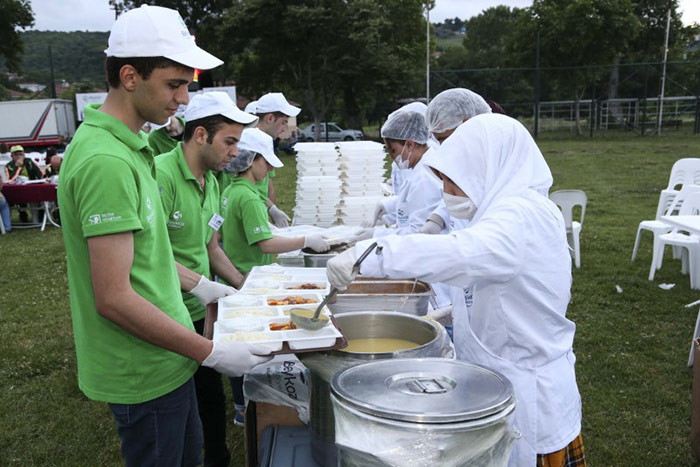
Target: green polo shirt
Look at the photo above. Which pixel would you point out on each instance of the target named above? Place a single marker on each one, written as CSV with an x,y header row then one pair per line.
x,y
108,185
245,225
224,178
188,210
161,142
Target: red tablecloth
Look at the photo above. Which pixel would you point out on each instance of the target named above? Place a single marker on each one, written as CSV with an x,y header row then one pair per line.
x,y
23,194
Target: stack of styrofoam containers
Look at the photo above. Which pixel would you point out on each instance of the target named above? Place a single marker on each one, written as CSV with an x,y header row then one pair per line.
x,y
318,184
362,172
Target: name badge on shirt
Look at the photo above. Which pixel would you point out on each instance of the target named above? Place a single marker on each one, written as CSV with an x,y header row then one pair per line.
x,y
215,222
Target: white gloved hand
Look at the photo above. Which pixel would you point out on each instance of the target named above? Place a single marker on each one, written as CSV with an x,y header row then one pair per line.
x,y
363,234
442,315
379,211
433,225
317,243
279,217
207,291
236,358
339,269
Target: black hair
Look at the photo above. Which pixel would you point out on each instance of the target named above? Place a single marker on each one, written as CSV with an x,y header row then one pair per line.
x,y
144,66
211,124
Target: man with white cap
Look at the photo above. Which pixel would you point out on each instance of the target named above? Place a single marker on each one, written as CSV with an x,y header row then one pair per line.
x,y
273,112
246,235
189,194
135,343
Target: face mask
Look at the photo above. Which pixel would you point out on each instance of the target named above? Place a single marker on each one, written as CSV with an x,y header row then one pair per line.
x,y
400,162
459,207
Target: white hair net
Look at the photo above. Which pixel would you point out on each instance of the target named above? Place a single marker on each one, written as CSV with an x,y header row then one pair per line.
x,y
449,109
242,162
404,126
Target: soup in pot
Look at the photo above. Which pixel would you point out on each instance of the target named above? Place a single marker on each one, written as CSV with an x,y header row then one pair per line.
x,y
378,345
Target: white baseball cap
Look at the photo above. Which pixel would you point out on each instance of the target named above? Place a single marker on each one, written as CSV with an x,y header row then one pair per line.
x,y
256,140
217,103
252,107
153,31
275,102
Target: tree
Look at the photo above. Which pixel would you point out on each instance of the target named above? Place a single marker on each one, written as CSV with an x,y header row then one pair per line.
x,y
358,51
16,14
577,34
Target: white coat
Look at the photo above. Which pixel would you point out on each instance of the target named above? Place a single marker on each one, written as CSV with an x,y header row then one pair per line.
x,y
418,196
513,258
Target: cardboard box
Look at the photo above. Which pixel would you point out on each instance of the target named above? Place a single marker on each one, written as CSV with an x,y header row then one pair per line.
x,y
695,405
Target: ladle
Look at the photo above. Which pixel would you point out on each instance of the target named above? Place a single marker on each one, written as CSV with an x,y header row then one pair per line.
x,y
300,316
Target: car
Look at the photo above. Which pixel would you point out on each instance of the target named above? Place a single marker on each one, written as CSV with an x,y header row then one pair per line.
x,y
335,133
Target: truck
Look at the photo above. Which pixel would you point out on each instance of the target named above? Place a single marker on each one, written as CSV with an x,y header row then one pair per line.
x,y
37,123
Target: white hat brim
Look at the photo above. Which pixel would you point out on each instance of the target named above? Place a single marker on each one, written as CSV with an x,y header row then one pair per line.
x,y
273,160
196,58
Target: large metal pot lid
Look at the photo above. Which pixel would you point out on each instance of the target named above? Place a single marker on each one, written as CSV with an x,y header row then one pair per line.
x,y
424,390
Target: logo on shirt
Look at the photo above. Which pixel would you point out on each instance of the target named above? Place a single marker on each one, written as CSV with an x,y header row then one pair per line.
x,y
224,202
94,219
257,230
148,203
177,215
104,217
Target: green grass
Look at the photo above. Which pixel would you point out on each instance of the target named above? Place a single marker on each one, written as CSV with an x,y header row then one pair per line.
x,y
631,347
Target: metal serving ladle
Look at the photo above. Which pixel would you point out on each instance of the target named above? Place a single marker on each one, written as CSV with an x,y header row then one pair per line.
x,y
301,316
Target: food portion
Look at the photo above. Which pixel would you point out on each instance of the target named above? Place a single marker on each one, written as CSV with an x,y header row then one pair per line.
x,y
378,345
245,337
306,286
282,327
229,313
290,301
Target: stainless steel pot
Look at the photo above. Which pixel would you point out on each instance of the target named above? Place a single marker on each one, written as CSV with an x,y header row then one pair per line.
x,y
405,296
422,412
324,365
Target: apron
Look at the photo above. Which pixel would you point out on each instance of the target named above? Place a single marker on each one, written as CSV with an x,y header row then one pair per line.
x,y
523,379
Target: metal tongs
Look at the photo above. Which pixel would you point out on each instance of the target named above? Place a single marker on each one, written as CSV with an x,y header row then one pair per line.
x,y
316,322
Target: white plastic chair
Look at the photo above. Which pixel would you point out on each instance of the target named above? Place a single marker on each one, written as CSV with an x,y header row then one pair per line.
x,y
689,242
566,200
696,334
658,227
685,171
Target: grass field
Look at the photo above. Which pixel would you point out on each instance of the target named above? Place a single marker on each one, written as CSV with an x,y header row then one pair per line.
x,y
631,346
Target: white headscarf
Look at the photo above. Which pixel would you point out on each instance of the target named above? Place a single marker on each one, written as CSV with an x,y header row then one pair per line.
x,y
490,157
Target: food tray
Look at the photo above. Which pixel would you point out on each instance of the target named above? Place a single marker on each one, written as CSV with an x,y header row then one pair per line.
x,y
280,342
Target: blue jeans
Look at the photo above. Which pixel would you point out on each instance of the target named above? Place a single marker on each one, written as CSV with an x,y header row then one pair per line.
x,y
165,431
5,214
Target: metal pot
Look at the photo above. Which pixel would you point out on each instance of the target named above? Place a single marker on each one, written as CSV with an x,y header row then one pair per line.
x,y
407,296
324,365
422,412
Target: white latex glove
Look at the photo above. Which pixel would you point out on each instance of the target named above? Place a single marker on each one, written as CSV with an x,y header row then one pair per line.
x,y
339,269
236,358
317,243
442,315
279,217
207,291
433,225
364,234
376,219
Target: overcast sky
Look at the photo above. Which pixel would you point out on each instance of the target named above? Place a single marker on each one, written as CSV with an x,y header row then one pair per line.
x,y
95,15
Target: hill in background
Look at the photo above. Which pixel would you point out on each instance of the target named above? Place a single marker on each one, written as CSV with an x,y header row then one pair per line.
x,y
78,56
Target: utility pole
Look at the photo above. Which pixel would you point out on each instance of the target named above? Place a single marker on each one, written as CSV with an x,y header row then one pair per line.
x,y
53,79
427,54
663,72
537,86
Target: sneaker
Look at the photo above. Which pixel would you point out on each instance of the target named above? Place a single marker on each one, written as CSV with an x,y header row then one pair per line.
x,y
239,419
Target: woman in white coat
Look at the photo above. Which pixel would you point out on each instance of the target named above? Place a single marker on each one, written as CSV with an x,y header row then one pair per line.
x,y
513,257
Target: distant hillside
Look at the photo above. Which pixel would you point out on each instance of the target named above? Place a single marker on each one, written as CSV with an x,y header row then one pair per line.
x,y
77,56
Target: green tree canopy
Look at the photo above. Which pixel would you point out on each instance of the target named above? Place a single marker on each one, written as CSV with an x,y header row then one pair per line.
x,y
16,15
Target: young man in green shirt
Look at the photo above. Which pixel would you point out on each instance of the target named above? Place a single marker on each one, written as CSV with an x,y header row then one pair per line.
x,y
135,343
189,194
165,138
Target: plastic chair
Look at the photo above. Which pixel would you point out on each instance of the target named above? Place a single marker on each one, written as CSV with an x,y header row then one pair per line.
x,y
689,242
566,200
696,334
658,227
